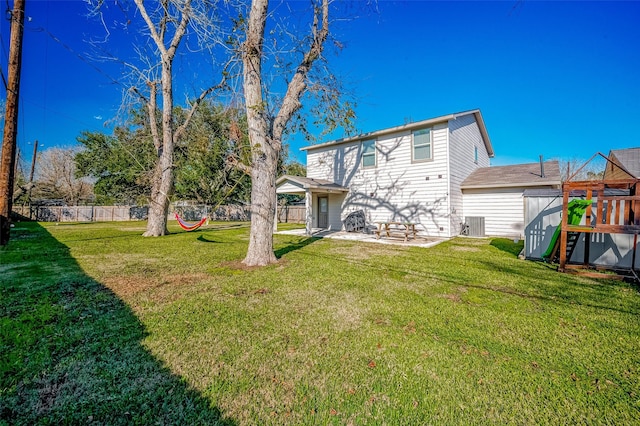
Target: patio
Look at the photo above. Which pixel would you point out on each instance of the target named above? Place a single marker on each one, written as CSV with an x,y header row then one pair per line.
x,y
419,241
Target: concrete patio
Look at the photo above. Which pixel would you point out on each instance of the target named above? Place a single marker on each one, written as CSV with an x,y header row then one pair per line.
x,y
419,241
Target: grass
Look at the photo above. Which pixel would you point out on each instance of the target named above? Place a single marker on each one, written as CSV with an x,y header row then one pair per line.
x,y
102,326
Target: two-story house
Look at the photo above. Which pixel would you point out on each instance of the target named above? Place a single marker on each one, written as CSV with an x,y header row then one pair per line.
x,y
433,173
409,173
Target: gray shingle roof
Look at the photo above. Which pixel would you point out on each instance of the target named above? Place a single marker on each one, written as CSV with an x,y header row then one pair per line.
x,y
312,183
514,176
414,126
630,159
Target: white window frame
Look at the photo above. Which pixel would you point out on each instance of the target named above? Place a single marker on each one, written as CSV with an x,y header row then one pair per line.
x,y
369,154
413,145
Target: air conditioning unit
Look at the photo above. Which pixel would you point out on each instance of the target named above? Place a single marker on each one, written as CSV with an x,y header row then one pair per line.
x,y
476,226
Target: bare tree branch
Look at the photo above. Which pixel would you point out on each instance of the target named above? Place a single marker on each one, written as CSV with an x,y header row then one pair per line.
x,y
298,83
235,162
180,130
152,109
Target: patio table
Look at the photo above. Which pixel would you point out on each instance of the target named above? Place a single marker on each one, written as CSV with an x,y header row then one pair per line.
x,y
392,229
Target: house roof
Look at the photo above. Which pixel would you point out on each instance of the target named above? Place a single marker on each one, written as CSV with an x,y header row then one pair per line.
x,y
629,159
310,183
518,175
413,126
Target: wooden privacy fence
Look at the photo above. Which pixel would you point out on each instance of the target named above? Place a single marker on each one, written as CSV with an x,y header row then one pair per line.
x,y
82,213
295,214
291,214
195,212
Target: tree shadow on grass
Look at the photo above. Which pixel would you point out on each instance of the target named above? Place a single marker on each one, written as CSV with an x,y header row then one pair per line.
x,y
71,351
508,245
205,239
295,246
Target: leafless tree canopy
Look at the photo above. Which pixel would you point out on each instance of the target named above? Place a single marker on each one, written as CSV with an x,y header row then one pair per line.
x,y
56,177
581,169
165,28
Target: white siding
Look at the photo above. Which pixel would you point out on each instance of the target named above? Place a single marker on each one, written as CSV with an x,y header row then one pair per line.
x,y
335,211
503,210
396,189
289,188
464,138
337,164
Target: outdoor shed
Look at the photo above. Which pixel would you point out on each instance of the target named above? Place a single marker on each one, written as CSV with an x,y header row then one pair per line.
x,y
493,202
543,215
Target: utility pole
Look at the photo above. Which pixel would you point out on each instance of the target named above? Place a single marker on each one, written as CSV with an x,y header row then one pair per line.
x,y
16,166
33,165
8,158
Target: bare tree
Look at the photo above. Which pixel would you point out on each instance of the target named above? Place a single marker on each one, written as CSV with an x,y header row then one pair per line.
x,y
166,25
56,177
267,126
581,169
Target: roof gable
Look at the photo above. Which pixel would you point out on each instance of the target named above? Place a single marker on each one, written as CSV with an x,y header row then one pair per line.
x,y
629,159
414,126
305,183
514,176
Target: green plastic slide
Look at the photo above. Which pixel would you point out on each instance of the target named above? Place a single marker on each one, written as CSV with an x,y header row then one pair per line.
x,y
575,211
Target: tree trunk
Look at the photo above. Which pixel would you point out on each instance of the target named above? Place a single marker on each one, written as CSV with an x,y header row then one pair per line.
x,y
159,201
163,174
265,134
263,207
264,158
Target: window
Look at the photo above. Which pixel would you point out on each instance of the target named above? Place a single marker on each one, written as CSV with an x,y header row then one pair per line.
x,y
422,145
475,154
369,154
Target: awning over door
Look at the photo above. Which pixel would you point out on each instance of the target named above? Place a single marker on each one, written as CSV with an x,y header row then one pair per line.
x,y
299,185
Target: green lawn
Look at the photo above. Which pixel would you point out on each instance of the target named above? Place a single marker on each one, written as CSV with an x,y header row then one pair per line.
x,y
100,325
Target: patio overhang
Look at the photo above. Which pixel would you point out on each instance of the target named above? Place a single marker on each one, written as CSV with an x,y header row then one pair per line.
x,y
299,185
306,187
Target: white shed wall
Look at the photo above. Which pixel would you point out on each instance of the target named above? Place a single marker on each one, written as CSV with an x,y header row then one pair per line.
x,y
502,209
542,217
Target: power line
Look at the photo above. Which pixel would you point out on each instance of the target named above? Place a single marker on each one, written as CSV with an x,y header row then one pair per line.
x,y
56,112
46,68
78,55
5,53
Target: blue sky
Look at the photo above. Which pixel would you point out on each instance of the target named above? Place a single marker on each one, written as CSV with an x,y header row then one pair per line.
x,y
551,78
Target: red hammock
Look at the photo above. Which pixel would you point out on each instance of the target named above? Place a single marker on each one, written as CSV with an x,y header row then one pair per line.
x,y
190,226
